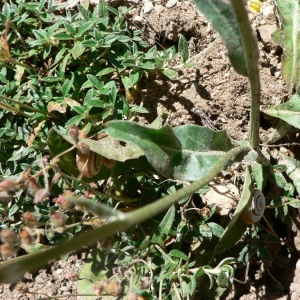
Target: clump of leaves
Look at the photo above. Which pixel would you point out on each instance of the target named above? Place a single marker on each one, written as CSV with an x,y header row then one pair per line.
x,y
64,67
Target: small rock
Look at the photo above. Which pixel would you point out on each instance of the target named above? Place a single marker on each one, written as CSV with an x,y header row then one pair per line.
x,y
58,271
283,150
148,6
224,197
277,74
171,3
278,66
266,32
137,20
268,13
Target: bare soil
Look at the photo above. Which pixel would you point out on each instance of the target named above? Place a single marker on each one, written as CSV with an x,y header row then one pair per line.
x,y
210,94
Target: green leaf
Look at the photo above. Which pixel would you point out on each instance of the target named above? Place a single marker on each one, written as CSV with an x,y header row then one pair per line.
x,y
95,103
226,261
131,80
102,10
139,109
41,5
88,96
277,178
183,48
6,11
51,79
293,202
95,81
221,15
292,168
172,74
265,255
199,273
63,36
178,254
85,14
85,27
223,279
162,231
74,120
80,110
107,147
106,71
280,209
23,152
40,34
258,175
77,50
288,111
65,62
89,43
67,86
184,153
70,28
58,145
290,31
216,229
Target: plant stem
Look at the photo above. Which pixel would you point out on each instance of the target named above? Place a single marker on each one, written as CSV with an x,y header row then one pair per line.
x,y
23,105
251,55
13,61
14,269
13,110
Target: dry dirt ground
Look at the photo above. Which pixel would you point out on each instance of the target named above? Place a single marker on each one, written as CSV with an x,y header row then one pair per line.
x,y
210,94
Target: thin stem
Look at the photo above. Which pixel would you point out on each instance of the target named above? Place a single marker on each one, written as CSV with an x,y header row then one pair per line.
x,y
57,157
283,204
280,145
22,65
23,105
94,191
251,55
13,110
60,296
13,269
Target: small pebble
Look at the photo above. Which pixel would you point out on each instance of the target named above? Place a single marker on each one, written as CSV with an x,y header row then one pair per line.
x,y
277,74
171,3
148,6
58,271
268,13
137,20
283,150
